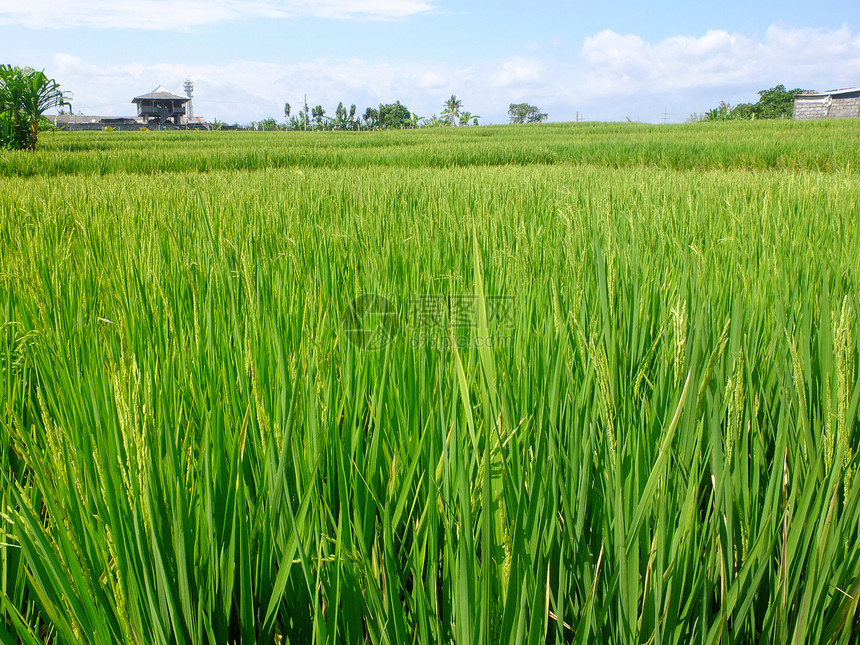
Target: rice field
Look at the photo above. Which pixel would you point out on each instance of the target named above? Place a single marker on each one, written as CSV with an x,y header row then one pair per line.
x,y
565,383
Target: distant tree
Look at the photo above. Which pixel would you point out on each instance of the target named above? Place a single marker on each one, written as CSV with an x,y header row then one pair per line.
x,y
774,103
318,115
722,112
216,124
268,124
434,121
341,121
286,110
452,109
415,121
467,118
394,116
371,118
744,111
350,122
525,113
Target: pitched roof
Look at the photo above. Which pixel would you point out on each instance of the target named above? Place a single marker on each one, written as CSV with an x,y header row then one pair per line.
x,y
162,93
847,90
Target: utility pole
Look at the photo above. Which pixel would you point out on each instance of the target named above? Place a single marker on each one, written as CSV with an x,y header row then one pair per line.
x,y
665,116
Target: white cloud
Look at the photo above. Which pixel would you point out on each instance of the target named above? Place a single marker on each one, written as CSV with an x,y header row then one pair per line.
x,y
519,72
247,90
617,75
612,76
182,14
720,59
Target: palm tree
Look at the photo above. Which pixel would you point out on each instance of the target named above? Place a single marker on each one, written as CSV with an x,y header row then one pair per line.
x,y
371,118
25,96
468,117
318,114
452,109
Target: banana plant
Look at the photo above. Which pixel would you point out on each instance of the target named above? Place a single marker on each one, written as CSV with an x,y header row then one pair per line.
x,y
25,96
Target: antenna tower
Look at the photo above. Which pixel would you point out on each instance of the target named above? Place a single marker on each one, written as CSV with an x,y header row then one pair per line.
x,y
189,90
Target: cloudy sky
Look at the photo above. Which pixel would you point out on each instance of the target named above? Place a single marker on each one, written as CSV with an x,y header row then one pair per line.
x,y
606,60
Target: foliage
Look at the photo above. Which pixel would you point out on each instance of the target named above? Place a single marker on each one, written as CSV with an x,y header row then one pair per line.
x,y
394,116
434,121
525,113
371,118
14,134
660,444
723,112
387,116
339,117
774,103
451,110
25,96
344,120
416,121
318,114
298,122
779,145
46,125
467,118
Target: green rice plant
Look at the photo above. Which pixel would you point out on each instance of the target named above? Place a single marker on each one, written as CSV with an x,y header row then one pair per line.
x,y
826,146
613,404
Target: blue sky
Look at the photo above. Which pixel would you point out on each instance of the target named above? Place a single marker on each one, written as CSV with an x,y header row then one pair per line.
x,y
602,60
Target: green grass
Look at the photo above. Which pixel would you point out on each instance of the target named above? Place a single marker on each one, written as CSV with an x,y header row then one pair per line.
x,y
661,445
818,145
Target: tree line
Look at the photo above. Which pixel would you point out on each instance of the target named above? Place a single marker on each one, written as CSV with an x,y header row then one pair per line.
x,y
773,103
25,96
388,116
